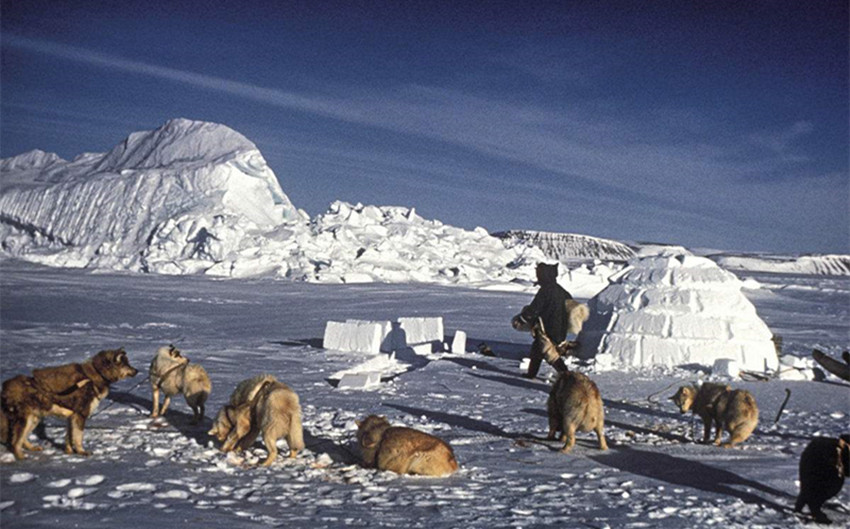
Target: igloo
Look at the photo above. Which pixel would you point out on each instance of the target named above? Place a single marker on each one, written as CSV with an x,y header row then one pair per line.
x,y
676,310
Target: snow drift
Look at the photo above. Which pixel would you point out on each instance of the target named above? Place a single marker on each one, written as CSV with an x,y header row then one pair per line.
x,y
674,311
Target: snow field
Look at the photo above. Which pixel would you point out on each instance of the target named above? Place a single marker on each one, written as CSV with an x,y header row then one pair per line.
x,y
147,472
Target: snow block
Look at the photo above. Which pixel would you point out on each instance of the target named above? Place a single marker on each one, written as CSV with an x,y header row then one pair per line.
x,y
459,342
386,333
360,381
362,337
417,332
726,367
604,362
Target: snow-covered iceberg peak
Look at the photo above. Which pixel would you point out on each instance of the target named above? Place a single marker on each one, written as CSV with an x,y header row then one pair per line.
x,y
179,141
676,310
34,159
153,194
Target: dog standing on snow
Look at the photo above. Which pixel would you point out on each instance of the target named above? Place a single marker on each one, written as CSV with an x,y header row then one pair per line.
x,y
403,450
172,373
81,387
824,464
732,410
574,402
260,404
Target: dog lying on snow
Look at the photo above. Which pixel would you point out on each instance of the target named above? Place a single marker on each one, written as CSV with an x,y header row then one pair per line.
x,y
260,404
732,410
403,450
172,373
71,390
824,464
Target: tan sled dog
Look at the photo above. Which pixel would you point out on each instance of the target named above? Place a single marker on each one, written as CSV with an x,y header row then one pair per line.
x,y
574,402
172,373
260,404
732,410
403,450
81,387
24,403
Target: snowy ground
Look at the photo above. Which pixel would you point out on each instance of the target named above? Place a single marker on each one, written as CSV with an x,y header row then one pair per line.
x,y
142,474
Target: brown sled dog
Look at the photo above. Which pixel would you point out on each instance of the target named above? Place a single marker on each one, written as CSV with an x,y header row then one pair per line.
x,y
81,387
171,372
824,464
260,404
24,403
574,402
403,450
732,410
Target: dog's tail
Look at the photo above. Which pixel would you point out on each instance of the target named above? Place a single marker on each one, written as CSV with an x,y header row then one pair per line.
x,y
578,313
296,432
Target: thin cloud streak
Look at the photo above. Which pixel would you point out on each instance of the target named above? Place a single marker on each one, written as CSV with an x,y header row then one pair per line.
x,y
610,157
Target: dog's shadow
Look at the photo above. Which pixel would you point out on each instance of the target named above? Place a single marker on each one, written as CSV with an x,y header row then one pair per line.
x,y
176,418
623,426
687,473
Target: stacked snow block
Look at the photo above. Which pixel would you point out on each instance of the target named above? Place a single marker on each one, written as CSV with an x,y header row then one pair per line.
x,y
356,336
677,310
422,335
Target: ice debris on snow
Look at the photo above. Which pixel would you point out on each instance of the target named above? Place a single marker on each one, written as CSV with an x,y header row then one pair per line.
x,y
21,477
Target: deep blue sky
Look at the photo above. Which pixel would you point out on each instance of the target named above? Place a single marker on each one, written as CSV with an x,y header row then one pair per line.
x,y
708,124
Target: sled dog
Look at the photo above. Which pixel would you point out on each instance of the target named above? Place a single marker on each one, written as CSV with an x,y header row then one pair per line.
x,y
824,464
23,404
577,314
172,373
260,404
403,450
732,410
80,388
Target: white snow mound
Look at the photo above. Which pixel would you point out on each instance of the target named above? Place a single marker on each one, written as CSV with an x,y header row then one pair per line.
x,y
156,202
672,311
198,198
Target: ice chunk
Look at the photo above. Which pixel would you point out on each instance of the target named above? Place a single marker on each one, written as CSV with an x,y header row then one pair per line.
x,y
360,381
726,367
459,342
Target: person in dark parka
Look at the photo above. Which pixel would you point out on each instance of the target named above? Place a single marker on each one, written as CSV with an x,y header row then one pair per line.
x,y
550,306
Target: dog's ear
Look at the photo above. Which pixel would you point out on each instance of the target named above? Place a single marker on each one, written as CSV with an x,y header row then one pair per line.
x,y
358,423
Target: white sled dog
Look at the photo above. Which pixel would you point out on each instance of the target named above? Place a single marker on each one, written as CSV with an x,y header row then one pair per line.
x,y
172,373
260,404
